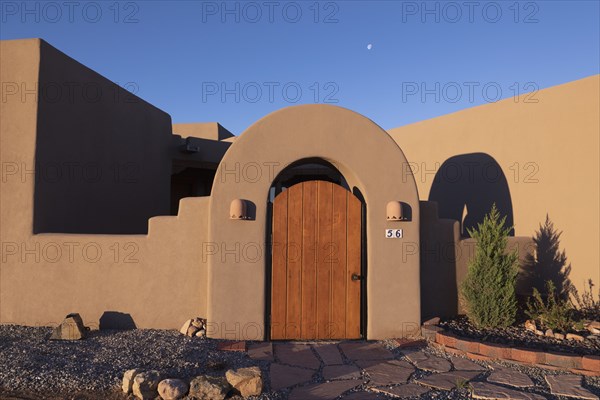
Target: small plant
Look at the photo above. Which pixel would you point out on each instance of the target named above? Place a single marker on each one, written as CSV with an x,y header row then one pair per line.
x,y
488,291
555,312
587,305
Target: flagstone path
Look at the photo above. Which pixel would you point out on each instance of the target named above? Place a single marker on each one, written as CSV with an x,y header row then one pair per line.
x,y
372,371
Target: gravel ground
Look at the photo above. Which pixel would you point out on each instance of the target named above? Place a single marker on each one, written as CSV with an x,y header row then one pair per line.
x,y
29,363
32,367
519,336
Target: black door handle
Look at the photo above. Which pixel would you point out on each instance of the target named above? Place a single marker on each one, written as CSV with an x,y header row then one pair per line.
x,y
356,277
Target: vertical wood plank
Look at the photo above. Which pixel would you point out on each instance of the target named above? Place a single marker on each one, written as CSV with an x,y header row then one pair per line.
x,y
353,262
339,277
279,267
324,256
294,263
309,257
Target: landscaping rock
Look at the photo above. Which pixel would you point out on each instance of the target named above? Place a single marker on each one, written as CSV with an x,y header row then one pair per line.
x,y
329,353
559,336
198,322
285,376
482,390
145,385
407,390
128,379
429,362
261,351
539,332
510,377
530,325
172,389
340,372
322,391
549,333
464,364
365,351
570,386
573,336
386,372
448,380
297,354
432,321
192,330
247,381
193,326
185,327
71,328
209,388
593,327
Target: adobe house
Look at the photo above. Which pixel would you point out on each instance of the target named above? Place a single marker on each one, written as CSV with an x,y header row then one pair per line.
x,y
308,225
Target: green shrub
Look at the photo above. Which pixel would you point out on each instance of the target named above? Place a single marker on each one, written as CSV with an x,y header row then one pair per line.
x,y
555,312
587,305
488,291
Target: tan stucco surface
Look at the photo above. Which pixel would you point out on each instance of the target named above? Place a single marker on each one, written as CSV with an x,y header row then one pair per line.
x,y
203,130
558,136
159,278
362,152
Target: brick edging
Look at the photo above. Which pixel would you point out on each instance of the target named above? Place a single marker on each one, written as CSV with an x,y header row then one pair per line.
x,y
477,350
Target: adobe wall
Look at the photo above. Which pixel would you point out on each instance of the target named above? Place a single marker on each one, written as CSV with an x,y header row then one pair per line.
x,y
547,151
365,155
158,280
96,144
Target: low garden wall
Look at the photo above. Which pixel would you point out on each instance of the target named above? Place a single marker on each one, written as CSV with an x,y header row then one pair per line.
x,y
477,350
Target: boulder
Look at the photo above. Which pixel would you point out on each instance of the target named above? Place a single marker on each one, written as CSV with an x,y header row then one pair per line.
x,y
549,333
145,385
573,336
185,327
209,388
191,331
593,327
198,323
559,336
201,333
530,325
128,379
247,381
71,328
172,389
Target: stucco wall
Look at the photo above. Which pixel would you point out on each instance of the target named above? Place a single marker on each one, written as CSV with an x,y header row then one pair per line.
x,y
158,279
363,153
548,152
96,144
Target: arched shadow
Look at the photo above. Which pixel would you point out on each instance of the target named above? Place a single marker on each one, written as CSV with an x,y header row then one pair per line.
x,y
466,186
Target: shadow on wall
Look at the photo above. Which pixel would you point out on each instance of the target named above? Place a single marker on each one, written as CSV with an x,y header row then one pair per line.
x,y
466,186
548,262
116,320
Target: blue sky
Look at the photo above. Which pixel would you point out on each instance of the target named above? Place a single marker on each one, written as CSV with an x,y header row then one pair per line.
x,y
235,62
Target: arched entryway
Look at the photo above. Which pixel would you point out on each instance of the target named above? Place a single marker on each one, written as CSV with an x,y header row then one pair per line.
x,y
315,290
369,159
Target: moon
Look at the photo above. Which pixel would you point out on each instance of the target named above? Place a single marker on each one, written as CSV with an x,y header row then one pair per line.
x,y
369,46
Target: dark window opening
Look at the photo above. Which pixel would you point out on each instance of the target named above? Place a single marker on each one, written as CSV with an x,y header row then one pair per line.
x,y
189,182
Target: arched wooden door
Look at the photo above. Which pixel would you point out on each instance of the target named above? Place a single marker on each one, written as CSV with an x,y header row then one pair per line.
x,y
316,263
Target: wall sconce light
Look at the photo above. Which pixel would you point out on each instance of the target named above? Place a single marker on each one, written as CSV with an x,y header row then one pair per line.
x,y
394,211
238,209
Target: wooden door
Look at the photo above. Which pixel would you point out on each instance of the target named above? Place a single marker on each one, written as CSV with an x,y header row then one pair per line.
x,y
316,254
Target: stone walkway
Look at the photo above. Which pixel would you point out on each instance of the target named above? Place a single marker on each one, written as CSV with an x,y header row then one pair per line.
x,y
373,371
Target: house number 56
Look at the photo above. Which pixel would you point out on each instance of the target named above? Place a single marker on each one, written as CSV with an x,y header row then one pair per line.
x,y
393,233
